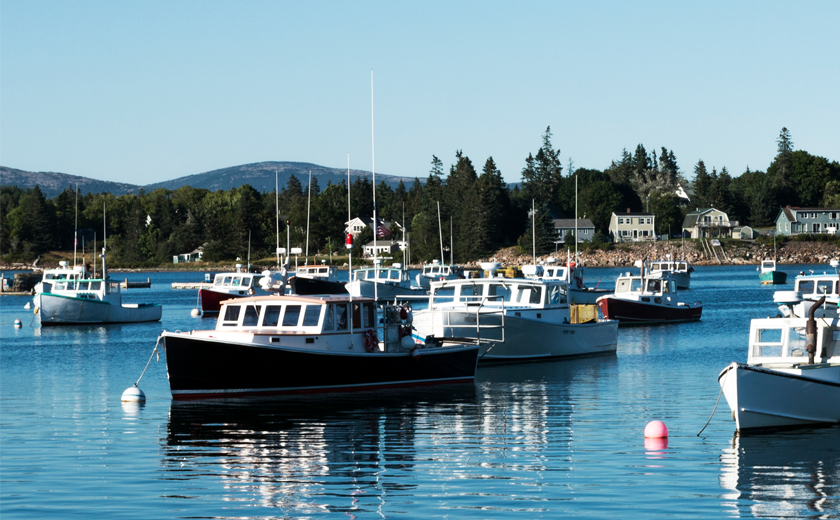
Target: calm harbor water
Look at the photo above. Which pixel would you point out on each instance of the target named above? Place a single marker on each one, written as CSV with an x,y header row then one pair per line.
x,y
528,441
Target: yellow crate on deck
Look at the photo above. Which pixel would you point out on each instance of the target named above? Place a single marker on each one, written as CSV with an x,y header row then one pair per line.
x,y
583,313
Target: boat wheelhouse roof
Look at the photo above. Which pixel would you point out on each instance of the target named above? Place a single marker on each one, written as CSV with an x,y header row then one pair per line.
x,y
317,298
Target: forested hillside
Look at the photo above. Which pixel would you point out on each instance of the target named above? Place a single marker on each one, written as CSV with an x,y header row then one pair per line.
x,y
486,214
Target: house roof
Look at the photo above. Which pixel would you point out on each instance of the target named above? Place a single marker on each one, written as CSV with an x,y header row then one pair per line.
x,y
570,223
634,214
383,243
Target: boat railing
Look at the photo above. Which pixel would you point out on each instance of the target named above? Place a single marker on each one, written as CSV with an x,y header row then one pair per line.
x,y
475,317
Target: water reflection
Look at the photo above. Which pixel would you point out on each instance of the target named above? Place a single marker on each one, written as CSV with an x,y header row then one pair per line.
x,y
492,444
784,474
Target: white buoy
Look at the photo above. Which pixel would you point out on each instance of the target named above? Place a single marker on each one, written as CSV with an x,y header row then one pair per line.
x,y
195,312
28,305
133,395
407,342
18,324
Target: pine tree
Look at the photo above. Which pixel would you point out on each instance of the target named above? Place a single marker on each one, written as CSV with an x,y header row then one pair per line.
x,y
701,184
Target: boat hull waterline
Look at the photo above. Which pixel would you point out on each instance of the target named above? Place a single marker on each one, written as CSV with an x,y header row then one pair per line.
x,y
211,368
763,398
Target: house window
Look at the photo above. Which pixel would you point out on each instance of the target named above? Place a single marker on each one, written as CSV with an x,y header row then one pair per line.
x,y
644,232
786,226
833,215
648,221
625,232
621,221
815,227
813,215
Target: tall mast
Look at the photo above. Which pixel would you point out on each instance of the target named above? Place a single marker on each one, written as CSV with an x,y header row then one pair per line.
x,y
534,231
76,228
373,171
576,222
440,233
349,254
451,244
308,203
277,218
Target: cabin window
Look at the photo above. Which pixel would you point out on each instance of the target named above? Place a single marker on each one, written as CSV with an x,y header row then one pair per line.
x,y
329,322
370,315
291,316
227,281
554,294
768,265
271,316
654,267
357,315
322,270
806,286
94,286
394,275
252,316
499,290
311,315
236,282
653,286
231,315
246,282
471,290
341,316
824,286
796,342
82,286
768,343
217,281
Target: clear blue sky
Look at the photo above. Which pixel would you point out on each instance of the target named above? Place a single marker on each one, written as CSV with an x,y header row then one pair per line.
x,y
146,91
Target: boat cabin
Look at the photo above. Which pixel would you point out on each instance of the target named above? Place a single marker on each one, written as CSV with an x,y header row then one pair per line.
x,y
768,266
317,271
680,266
780,342
436,270
394,275
297,314
497,292
235,280
815,286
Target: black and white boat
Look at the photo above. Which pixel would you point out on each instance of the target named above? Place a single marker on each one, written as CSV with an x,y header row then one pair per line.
x,y
273,345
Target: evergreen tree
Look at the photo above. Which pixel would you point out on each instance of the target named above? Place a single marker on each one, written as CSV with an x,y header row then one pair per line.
x,y
702,184
543,173
540,232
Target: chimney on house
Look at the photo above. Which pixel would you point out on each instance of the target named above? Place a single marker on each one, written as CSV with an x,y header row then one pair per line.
x,y
628,210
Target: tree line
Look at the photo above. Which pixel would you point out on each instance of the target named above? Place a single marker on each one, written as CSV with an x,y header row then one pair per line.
x,y
480,213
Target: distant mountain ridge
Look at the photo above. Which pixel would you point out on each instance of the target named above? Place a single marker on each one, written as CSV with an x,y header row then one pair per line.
x,y
259,175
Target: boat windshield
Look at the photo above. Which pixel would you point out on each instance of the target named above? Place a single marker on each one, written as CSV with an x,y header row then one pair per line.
x,y
824,286
628,285
768,265
529,295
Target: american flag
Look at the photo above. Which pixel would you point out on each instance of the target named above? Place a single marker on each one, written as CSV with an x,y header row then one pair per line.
x,y
382,231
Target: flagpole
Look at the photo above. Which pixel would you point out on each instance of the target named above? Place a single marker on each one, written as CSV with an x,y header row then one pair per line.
x,y
349,254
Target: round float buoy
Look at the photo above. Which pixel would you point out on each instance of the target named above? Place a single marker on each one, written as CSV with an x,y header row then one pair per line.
x,y
195,312
18,324
407,342
656,430
133,395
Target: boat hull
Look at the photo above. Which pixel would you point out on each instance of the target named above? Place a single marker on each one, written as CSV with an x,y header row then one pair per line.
x,y
762,398
66,310
773,278
211,301
200,367
306,286
629,312
522,340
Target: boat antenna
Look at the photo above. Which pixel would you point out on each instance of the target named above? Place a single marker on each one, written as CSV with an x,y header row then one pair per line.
x,y
451,244
94,254
104,242
76,228
308,203
373,171
349,244
440,233
277,218
405,246
249,250
576,219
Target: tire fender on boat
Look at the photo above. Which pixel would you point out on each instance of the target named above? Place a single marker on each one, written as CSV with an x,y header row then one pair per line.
x,y
371,341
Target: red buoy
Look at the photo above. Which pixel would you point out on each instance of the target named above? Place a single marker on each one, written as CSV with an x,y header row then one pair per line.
x,y
349,241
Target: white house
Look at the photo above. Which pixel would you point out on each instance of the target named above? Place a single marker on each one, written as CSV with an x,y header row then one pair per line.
x,y
632,227
708,223
383,247
358,224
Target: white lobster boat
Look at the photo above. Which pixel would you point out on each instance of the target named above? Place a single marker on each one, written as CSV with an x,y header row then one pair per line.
x,y
807,289
384,283
515,319
77,300
792,374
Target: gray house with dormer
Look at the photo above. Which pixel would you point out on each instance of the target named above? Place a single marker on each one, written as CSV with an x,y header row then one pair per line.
x,y
795,221
566,226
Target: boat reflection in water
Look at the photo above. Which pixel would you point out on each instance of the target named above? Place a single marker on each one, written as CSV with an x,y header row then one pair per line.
x,y
789,475
383,452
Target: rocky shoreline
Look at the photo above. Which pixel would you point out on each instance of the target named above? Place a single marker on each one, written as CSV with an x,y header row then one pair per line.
x,y
734,252
622,255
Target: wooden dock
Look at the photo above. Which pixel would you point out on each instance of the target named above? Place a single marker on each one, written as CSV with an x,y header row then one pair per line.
x,y
191,285
136,285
